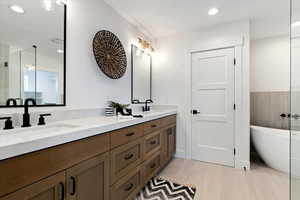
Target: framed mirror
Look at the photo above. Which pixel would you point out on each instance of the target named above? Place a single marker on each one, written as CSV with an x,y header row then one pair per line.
x,y
32,52
141,75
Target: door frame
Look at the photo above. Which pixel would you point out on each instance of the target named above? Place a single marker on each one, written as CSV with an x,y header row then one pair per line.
x,y
241,101
234,95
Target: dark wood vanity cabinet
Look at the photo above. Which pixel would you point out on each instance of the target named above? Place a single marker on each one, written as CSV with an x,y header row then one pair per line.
x,y
111,166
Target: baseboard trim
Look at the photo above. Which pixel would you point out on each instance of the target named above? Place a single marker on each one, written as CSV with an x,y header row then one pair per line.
x,y
180,153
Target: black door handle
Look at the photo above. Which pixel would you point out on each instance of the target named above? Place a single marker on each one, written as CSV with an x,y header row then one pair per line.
x,y
195,112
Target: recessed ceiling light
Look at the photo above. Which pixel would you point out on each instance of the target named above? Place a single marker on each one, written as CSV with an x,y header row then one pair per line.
x,y
60,51
213,11
297,23
17,9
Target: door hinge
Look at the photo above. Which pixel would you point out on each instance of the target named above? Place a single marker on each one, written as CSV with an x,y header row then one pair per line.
x,y
234,61
234,151
234,107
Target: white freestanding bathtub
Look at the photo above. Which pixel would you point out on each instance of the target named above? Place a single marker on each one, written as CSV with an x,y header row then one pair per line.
x,y
273,146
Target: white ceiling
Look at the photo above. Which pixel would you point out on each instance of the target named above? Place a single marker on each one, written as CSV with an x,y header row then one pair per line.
x,y
166,17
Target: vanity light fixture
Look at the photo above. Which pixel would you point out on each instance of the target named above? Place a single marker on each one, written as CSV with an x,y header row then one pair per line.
x,y
17,9
295,24
145,45
213,11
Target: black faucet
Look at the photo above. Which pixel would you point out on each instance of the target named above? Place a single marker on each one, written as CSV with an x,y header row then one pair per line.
x,y
26,115
146,107
8,101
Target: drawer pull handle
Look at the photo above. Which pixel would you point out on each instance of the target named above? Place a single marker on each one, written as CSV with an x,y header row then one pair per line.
x,y
129,187
128,157
130,134
72,185
153,165
153,142
61,191
153,126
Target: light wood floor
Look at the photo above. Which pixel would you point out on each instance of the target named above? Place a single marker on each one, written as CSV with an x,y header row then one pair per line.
x,y
214,182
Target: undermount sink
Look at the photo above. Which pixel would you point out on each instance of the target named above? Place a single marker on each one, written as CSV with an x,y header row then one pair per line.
x,y
42,129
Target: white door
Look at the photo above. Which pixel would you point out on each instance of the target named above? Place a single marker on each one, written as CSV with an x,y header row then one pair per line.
x,y
213,106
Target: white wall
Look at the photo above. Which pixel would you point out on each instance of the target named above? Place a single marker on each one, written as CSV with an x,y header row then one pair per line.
x,y
270,64
171,79
87,86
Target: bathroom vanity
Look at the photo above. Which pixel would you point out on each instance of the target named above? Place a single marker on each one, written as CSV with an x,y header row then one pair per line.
x,y
111,161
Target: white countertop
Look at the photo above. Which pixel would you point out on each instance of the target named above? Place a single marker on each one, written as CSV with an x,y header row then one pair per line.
x,y
25,140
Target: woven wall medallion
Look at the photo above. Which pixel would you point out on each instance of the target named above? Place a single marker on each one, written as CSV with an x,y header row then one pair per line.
x,y
109,54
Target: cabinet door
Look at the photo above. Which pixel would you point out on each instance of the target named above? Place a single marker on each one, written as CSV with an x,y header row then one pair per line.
x,y
89,179
171,141
51,188
164,147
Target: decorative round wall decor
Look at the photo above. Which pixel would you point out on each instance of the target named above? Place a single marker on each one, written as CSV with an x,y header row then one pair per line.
x,y
109,54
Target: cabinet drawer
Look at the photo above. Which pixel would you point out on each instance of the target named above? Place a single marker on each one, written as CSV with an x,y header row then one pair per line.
x,y
125,135
152,143
152,126
127,187
125,158
151,167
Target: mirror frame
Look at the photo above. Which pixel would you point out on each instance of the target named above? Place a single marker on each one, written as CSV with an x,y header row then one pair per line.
x,y
65,71
132,100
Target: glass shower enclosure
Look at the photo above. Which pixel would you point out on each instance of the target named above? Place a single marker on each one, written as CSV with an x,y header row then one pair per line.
x,y
295,101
